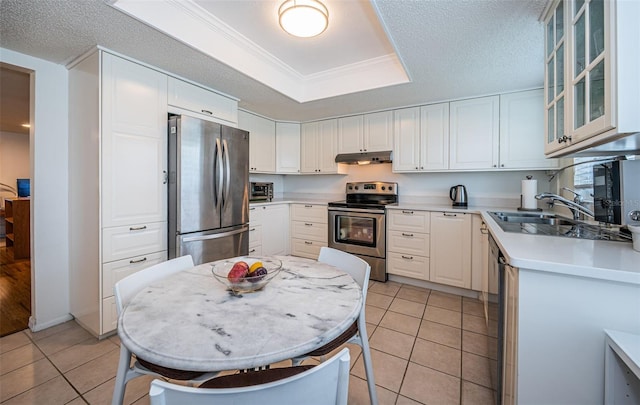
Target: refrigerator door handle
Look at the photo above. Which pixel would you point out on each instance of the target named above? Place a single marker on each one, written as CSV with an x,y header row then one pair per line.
x,y
218,187
227,170
216,235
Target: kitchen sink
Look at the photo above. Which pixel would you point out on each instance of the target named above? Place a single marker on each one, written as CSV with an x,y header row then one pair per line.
x,y
555,225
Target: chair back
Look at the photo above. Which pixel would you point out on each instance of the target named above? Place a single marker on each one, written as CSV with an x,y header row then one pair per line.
x,y
351,264
325,384
129,286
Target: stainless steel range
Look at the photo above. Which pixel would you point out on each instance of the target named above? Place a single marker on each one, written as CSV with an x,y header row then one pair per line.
x,y
357,225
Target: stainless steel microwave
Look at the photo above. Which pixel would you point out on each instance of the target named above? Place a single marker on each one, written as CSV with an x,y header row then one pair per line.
x,y
260,191
616,192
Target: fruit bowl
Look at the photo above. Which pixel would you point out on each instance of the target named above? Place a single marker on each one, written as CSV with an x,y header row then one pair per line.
x,y
246,274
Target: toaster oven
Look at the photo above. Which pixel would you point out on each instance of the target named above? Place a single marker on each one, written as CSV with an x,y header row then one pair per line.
x,y
261,191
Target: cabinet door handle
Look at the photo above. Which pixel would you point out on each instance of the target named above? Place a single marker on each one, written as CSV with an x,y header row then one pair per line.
x,y
252,251
252,229
165,177
407,212
307,224
407,257
449,215
308,206
306,242
138,228
407,234
484,231
144,259
207,112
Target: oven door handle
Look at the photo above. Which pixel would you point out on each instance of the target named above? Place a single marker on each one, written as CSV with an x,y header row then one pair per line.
x,y
363,210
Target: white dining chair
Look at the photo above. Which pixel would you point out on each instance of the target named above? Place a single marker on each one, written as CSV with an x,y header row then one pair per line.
x,y
124,291
357,333
324,384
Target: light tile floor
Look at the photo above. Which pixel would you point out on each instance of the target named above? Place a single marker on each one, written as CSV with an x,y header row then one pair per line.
x,y
427,347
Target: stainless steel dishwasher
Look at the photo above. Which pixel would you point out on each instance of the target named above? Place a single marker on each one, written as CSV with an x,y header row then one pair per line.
x,y
496,294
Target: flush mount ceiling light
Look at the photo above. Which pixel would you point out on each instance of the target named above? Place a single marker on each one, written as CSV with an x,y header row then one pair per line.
x,y
303,18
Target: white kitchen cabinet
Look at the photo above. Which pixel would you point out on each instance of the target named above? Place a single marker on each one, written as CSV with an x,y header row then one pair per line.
x,y
521,126
591,54
319,147
269,229
351,134
366,133
479,255
262,142
510,350
451,248
421,138
117,179
378,131
287,147
275,230
474,133
309,229
408,244
204,103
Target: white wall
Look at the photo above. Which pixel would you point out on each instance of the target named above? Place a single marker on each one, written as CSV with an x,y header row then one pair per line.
x,y
498,188
14,160
49,189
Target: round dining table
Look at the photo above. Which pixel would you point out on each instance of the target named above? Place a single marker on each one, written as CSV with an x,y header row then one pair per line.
x,y
190,321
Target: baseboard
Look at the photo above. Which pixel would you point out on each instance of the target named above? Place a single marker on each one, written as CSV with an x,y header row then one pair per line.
x,y
38,326
435,286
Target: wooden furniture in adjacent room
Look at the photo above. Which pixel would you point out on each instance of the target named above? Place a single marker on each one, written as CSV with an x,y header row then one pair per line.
x,y
17,227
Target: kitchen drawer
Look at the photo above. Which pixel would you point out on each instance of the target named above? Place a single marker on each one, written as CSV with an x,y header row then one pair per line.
x,y
255,235
115,271
306,248
109,315
408,220
255,215
411,243
309,230
122,242
309,213
408,265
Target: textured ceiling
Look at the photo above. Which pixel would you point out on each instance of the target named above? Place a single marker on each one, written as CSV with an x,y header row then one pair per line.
x,y
450,48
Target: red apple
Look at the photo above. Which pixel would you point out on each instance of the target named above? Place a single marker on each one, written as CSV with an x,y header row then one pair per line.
x,y
238,272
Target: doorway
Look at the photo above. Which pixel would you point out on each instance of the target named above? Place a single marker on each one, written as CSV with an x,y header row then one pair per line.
x,y
15,200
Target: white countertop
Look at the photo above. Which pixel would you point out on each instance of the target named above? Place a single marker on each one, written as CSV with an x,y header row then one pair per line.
x,y
613,261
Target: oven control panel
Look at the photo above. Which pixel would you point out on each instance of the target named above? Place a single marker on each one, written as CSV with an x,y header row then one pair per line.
x,y
372,187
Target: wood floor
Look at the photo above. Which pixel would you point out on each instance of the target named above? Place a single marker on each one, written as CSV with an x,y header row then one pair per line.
x,y
15,292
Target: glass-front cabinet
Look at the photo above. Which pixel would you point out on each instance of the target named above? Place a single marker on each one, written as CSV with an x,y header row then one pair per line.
x,y
592,85
554,79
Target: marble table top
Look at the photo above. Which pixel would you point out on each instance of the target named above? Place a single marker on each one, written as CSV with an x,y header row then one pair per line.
x,y
189,320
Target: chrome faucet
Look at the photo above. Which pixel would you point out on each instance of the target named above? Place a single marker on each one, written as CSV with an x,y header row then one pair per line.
x,y
575,206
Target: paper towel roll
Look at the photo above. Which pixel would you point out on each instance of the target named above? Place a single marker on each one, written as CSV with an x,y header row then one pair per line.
x,y
529,191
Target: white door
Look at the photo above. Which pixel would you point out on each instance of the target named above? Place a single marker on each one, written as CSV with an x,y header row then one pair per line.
x,y
378,131
328,146
350,130
275,230
451,249
287,147
134,143
474,133
434,136
406,140
308,147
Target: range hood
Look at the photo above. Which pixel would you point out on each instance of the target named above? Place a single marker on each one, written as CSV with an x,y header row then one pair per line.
x,y
364,158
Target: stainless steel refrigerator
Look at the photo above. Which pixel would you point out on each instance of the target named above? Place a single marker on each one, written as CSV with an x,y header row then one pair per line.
x,y
208,190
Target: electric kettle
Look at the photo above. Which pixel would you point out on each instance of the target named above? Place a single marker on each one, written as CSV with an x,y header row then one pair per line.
x,y
458,195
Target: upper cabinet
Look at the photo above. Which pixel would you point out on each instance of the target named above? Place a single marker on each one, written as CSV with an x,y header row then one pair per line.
x,y
521,126
421,138
262,142
592,87
474,133
183,96
287,147
319,147
366,133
